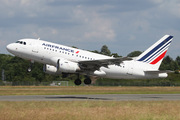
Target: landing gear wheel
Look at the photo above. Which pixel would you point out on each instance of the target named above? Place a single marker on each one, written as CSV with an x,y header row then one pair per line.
x,y
30,66
77,82
87,81
29,69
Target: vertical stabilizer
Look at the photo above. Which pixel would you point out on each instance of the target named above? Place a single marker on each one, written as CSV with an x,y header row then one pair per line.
x,y
155,54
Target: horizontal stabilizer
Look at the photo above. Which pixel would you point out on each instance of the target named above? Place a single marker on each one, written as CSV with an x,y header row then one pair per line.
x,y
159,71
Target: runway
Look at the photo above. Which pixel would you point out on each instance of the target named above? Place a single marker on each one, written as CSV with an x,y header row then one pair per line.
x,y
101,97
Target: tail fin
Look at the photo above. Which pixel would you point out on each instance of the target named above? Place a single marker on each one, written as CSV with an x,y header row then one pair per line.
x,y
155,54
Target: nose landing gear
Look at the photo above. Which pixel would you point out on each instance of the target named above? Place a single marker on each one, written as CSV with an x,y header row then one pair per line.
x,y
30,66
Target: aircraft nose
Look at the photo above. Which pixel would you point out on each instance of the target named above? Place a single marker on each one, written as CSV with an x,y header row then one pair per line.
x,y
10,48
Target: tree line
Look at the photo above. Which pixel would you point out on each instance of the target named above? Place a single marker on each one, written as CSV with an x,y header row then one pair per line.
x,y
15,68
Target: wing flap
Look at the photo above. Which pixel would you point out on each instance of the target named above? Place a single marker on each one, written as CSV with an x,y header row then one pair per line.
x,y
96,64
159,71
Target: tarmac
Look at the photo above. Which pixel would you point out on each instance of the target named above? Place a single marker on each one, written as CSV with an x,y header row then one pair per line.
x,y
97,97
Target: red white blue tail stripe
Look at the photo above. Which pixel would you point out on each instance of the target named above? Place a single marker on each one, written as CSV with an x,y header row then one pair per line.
x,y
157,51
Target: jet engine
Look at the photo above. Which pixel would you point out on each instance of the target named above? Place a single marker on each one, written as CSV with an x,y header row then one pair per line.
x,y
67,66
49,69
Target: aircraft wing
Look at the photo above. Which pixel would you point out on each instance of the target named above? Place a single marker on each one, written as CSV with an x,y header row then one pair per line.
x,y
96,64
159,71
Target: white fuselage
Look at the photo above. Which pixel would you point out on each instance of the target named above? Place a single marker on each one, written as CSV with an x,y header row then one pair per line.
x,y
45,52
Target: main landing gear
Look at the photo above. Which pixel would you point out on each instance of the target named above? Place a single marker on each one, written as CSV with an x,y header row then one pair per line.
x,y
77,81
87,81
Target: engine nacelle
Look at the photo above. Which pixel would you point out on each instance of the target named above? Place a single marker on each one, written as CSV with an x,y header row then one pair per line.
x,y
67,66
49,69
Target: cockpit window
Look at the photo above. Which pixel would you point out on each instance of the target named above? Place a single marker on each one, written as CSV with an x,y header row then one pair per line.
x,y
21,42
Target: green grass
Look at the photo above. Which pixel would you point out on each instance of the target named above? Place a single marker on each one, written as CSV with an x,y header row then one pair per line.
x,y
43,90
90,110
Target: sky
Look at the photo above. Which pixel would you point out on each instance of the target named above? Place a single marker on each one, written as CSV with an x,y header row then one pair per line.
x,y
123,25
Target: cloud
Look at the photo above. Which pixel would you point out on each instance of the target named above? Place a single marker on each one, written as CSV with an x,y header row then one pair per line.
x,y
124,25
132,37
97,27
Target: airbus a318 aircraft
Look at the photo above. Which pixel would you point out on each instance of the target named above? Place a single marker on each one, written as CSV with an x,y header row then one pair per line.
x,y
58,59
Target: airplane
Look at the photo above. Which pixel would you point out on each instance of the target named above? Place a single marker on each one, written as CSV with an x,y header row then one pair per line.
x,y
58,59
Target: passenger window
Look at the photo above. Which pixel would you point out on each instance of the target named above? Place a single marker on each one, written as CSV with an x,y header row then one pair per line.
x,y
21,42
24,43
